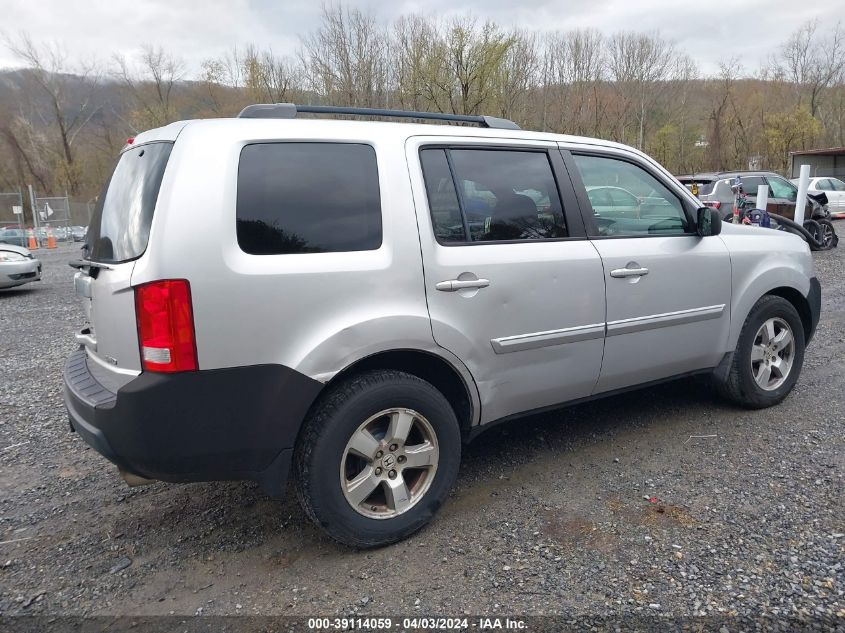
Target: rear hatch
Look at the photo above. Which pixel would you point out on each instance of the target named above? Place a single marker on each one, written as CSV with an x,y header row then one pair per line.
x,y
117,237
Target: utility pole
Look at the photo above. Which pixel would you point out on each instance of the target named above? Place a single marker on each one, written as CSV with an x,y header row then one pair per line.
x,y
34,210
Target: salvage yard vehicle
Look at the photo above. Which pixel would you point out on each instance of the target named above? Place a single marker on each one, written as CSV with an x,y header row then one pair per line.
x,y
360,297
832,188
18,266
715,190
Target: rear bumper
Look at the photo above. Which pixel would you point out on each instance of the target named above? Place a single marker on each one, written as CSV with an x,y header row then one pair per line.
x,y
234,423
814,300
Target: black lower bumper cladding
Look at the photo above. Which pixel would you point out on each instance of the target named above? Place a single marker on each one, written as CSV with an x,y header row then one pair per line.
x,y
218,424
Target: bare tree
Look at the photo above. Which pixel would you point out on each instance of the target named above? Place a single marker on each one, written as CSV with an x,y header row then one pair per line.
x,y
347,58
812,63
151,82
51,105
638,63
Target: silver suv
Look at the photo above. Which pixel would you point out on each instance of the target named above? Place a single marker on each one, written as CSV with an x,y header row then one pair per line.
x,y
349,301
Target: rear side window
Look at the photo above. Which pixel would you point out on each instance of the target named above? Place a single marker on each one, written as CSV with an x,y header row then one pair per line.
x,y
492,195
308,198
120,224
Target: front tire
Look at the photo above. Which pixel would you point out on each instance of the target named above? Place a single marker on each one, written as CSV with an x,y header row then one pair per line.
x,y
768,357
377,458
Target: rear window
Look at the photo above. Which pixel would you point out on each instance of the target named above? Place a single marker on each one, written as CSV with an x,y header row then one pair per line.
x,y
120,224
705,187
308,198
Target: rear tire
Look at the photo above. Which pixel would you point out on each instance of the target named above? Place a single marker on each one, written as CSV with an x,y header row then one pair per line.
x,y
768,357
377,458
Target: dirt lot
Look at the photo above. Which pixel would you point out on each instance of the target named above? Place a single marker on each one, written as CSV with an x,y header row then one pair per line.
x,y
553,514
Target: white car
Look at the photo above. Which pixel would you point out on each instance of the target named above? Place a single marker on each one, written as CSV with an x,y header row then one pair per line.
x,y
833,188
17,266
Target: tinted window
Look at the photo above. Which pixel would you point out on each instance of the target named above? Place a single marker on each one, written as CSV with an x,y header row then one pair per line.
x,y
837,184
650,208
120,224
504,195
442,198
750,184
308,198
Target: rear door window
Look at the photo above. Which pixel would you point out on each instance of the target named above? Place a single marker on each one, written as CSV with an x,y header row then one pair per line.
x,y
492,195
120,224
308,198
750,184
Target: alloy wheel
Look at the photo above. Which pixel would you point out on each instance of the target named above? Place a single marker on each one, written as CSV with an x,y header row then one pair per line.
x,y
389,463
772,353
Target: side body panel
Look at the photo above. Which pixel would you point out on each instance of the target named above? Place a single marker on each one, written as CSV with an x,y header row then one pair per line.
x,y
534,336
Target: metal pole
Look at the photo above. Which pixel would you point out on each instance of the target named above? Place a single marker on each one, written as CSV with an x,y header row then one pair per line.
x,y
801,200
20,204
762,197
34,211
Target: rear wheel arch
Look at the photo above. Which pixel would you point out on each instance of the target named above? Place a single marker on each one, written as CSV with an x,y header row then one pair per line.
x,y
434,369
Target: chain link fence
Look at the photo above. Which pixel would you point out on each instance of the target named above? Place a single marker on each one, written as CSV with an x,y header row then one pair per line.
x,y
66,219
11,210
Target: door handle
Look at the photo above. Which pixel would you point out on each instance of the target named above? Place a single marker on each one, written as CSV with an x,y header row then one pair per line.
x,y
621,273
451,285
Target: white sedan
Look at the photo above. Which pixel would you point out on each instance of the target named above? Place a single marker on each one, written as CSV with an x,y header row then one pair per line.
x,y
17,266
833,188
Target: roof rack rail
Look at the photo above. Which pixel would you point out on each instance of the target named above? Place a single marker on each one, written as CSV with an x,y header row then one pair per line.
x,y
290,110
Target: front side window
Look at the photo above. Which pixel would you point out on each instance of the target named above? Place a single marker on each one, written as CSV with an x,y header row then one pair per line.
x,y
780,188
481,195
308,198
628,200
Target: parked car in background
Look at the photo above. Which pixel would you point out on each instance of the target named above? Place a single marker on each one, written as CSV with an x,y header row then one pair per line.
x,y
18,237
78,233
352,325
17,266
714,190
833,188
613,201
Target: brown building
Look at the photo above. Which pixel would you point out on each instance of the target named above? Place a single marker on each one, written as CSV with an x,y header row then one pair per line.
x,y
822,162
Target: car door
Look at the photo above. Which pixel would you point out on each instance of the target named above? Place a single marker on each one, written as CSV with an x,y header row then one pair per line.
x,y
836,195
514,288
668,290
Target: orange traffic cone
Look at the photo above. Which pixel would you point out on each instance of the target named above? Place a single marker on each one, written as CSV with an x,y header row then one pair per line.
x,y
33,244
51,240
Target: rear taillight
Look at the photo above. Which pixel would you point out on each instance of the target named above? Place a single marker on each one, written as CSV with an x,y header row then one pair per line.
x,y
713,204
166,326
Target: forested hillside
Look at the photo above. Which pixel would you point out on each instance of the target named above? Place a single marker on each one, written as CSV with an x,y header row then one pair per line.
x,y
62,122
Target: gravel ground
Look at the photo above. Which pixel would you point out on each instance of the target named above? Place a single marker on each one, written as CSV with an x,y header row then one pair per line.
x,y
662,501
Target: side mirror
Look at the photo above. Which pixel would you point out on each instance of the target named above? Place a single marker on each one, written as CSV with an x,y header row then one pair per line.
x,y
709,222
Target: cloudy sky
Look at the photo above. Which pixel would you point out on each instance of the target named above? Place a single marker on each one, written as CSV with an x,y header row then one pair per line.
x,y
195,30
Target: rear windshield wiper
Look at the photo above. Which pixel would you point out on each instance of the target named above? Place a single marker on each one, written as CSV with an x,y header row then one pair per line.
x,y
87,263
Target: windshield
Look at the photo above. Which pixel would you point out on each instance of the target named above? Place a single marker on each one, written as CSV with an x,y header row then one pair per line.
x,y
120,225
